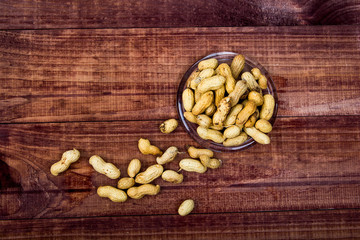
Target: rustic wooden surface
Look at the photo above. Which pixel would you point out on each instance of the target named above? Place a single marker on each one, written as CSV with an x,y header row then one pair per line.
x,y
100,90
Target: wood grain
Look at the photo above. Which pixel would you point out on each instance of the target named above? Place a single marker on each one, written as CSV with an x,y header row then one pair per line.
x,y
322,224
68,75
45,14
277,178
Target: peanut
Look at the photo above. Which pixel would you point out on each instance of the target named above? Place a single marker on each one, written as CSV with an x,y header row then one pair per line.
x,y
114,194
222,111
197,152
250,81
142,190
192,165
188,99
168,126
210,134
125,183
212,163
217,127
245,113
267,108
186,207
150,174
231,117
252,119
203,120
209,72
239,90
172,176
237,65
197,95
225,71
219,94
236,141
168,155
232,132
263,82
208,63
108,169
67,159
190,117
258,136
146,148
134,167
256,97
211,83
204,102
210,110
256,73
192,76
263,125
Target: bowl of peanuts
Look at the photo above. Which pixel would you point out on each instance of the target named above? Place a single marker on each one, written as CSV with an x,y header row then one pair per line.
x,y
227,102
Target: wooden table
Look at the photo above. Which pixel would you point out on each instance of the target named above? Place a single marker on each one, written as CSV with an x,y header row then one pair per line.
x,y
102,74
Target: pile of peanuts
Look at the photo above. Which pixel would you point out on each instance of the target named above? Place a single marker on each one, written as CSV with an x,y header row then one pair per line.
x,y
226,110
200,160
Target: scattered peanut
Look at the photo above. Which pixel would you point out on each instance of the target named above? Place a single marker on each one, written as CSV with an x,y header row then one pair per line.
x,y
197,152
212,163
146,148
67,159
108,169
168,155
125,183
186,207
168,126
150,174
192,165
134,167
114,194
172,176
142,190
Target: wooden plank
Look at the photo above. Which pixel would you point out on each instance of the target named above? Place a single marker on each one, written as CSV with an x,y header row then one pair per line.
x,y
322,224
125,74
321,173
134,14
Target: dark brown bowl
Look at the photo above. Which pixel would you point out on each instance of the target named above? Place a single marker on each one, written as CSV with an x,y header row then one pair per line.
x,y
223,57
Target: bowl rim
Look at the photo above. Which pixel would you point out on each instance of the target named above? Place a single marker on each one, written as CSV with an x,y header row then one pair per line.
x,y
187,125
